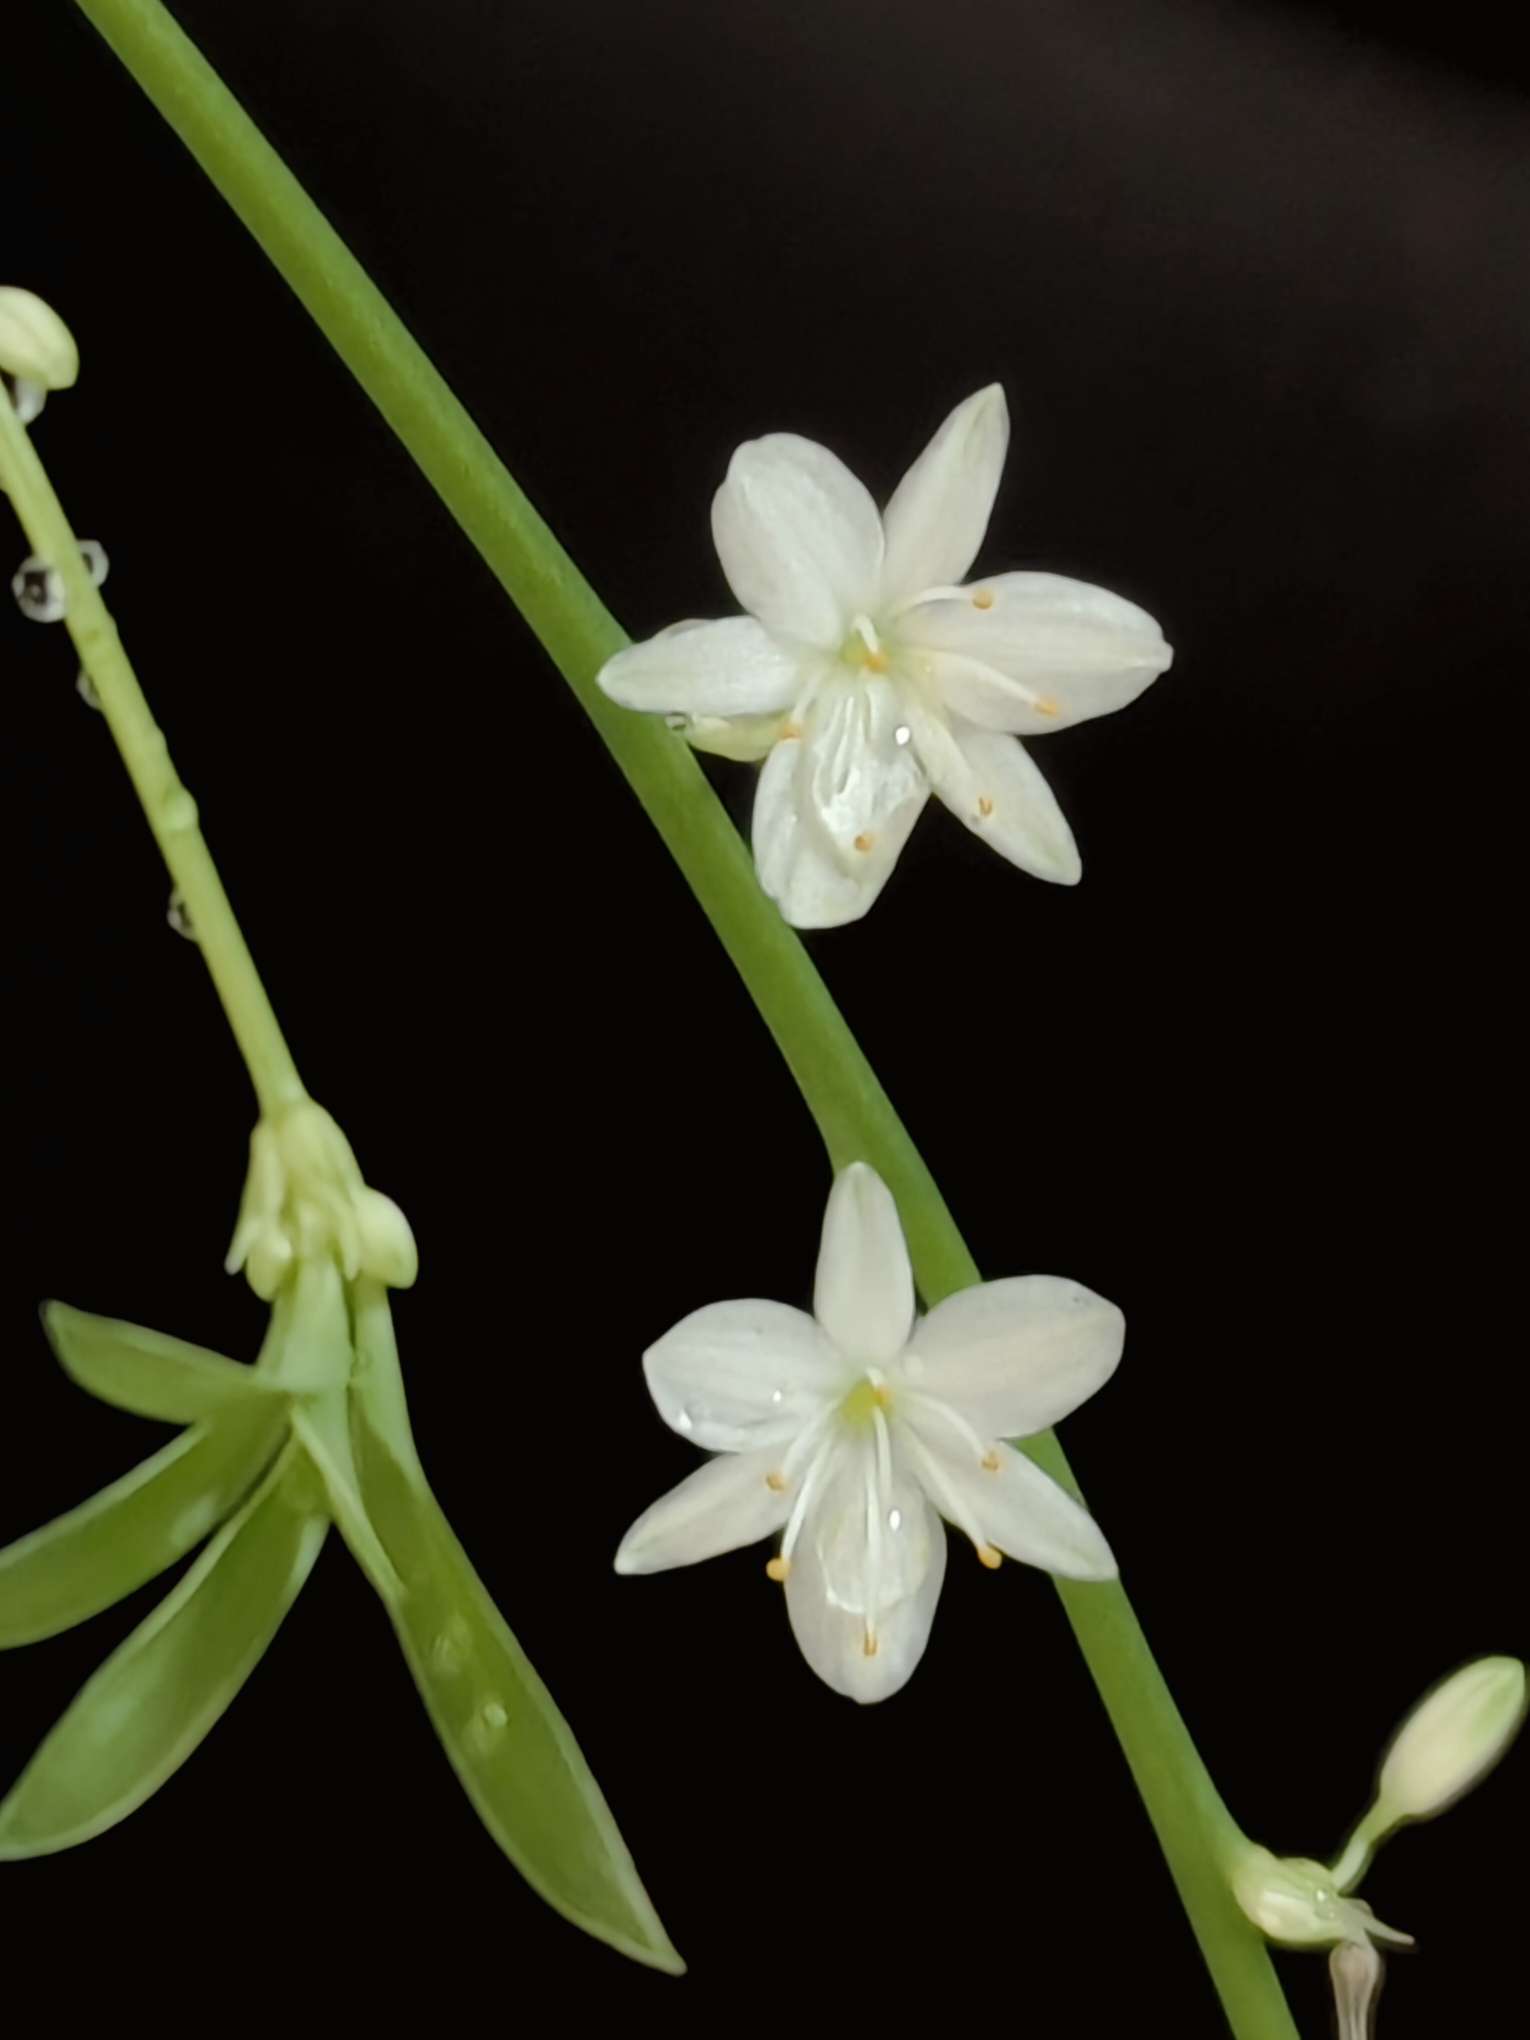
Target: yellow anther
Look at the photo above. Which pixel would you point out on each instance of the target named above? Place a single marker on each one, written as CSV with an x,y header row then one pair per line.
x,y
989,1462
1046,707
983,599
989,1557
864,842
869,1643
790,732
878,662
881,1395
985,806
776,1482
777,1568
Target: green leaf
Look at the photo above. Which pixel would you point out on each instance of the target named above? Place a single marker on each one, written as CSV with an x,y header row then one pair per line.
x,y
509,1745
108,1547
136,1722
323,1429
149,1373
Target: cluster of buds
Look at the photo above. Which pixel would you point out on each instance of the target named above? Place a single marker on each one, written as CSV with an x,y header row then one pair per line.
x,y
37,350
1450,1740
305,1197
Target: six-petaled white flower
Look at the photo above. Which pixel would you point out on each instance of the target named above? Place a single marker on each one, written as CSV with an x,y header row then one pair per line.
x,y
853,1431
866,678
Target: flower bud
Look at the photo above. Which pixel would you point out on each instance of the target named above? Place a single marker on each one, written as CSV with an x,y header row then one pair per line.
x,y
305,1199
35,344
1296,1901
1451,1738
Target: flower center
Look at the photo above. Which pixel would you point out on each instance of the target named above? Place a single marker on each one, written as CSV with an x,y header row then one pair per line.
x,y
863,649
869,1397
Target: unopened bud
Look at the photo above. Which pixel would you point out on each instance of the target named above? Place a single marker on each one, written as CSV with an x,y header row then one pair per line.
x,y
1454,1735
35,345
305,1199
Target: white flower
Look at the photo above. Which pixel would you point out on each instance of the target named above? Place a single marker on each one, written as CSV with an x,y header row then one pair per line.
x,y
866,679
855,1430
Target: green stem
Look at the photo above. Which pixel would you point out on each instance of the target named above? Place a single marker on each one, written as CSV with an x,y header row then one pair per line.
x,y
852,1110
171,811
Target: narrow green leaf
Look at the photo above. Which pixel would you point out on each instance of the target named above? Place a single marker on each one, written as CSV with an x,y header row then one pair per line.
x,y
136,1722
149,1373
323,1428
509,1745
108,1547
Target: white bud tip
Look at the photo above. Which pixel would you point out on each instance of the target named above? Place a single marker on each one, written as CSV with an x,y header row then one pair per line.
x,y
35,344
1454,1735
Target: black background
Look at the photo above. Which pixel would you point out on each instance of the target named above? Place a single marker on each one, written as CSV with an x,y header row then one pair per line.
x,y
1255,280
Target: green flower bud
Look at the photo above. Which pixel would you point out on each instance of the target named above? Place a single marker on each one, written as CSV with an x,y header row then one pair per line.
x,y
1454,1735
35,344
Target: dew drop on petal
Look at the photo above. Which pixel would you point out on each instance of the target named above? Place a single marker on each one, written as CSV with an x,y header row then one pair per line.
x,y
902,734
178,918
778,1395
895,1519
85,688
684,1421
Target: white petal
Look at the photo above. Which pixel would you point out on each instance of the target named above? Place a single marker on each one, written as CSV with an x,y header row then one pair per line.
x,y
723,1505
1031,653
1018,1508
713,669
940,510
799,538
832,1635
1014,1357
990,783
747,738
797,864
855,778
737,1375
864,1293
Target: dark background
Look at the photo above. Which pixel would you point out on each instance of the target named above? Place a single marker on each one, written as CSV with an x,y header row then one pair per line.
x,y
1255,278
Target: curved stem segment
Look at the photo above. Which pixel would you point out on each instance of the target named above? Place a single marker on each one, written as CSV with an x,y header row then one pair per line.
x,y
171,811
841,1089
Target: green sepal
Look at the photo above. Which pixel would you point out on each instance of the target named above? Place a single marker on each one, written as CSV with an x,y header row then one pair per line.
x,y
137,1720
502,1732
149,1373
108,1547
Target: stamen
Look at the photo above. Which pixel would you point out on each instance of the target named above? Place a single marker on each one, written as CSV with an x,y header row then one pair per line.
x,y
985,806
877,661
981,1453
989,1462
951,1505
811,1481
864,842
991,1558
1044,706
778,1569
869,1644
982,598
790,732
776,1482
